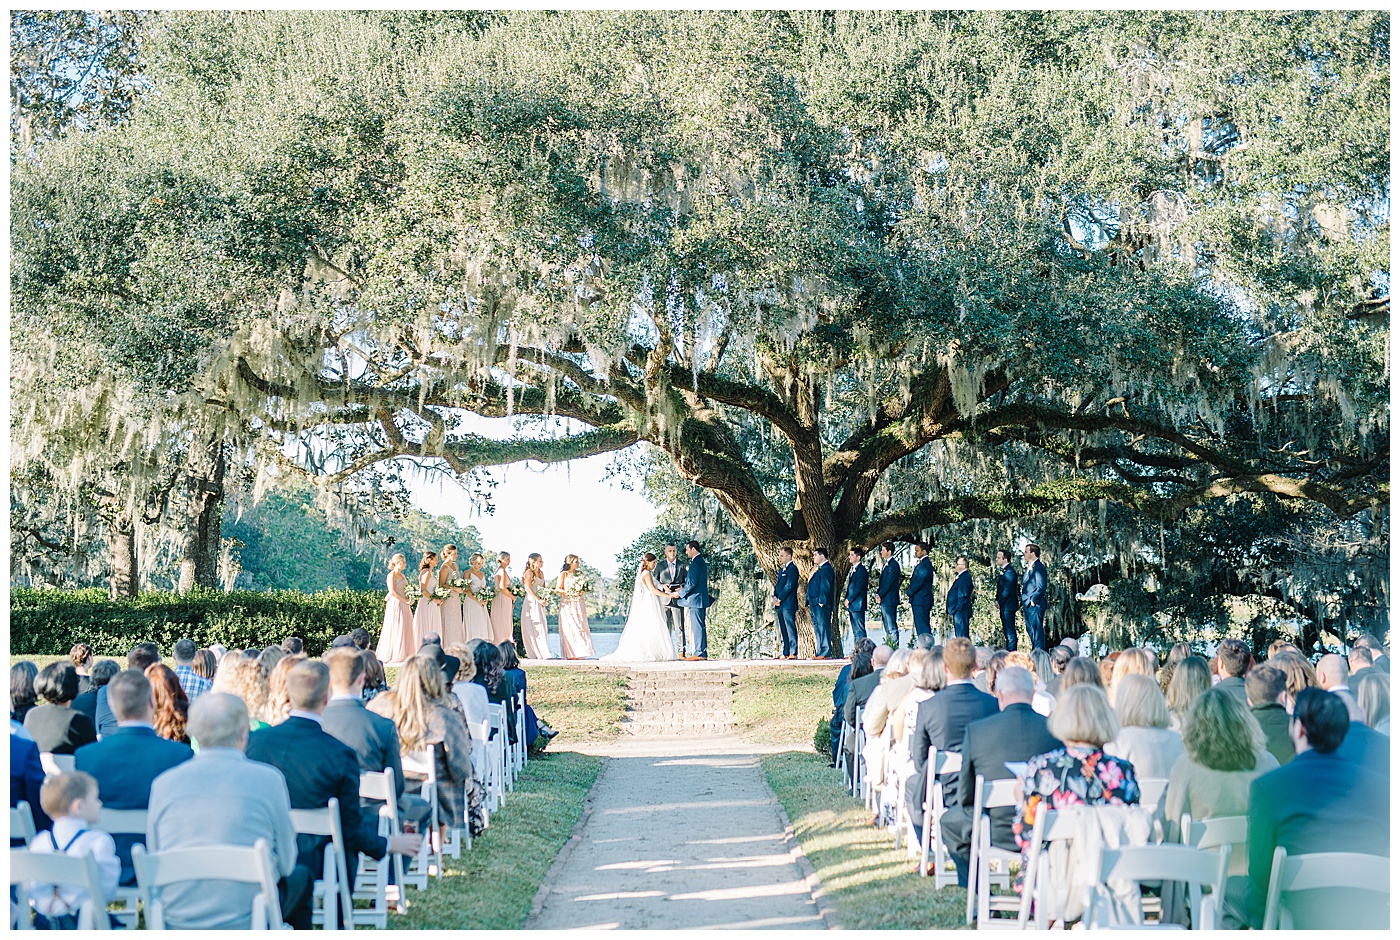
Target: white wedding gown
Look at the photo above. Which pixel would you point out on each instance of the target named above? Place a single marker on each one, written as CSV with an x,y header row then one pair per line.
x,y
647,637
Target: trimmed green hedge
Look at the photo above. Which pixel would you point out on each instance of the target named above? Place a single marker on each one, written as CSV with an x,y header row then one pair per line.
x,y
47,622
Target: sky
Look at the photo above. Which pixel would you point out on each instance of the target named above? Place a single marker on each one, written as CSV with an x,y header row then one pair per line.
x,y
553,509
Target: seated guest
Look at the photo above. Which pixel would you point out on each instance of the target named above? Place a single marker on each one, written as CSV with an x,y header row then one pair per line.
x,y
1179,651
1133,661
247,679
842,688
128,759
172,707
982,660
1363,744
1232,661
190,680
1298,674
142,655
1079,773
1379,659
292,644
941,722
1143,738
56,727
71,799
859,693
419,707
895,683
361,637
537,734
373,738
206,664
1332,674
376,680
1190,680
279,702
1225,752
26,778
218,649
1106,666
23,698
1266,689
1081,670
81,658
270,656
316,767
491,675
995,664
471,695
1318,802
1358,663
1373,695
1043,702
1016,733
1059,659
344,640
101,673
899,711
432,647
222,798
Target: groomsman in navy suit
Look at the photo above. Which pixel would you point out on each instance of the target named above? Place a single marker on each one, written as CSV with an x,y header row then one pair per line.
x,y
820,590
785,600
1034,588
857,586
921,589
1008,597
888,591
960,599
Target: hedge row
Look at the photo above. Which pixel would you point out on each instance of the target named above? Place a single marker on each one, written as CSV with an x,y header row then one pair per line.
x,y
48,622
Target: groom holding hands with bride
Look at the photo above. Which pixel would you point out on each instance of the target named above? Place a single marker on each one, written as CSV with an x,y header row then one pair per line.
x,y
647,637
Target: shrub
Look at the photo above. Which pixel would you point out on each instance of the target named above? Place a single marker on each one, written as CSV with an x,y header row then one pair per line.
x,y
47,622
822,742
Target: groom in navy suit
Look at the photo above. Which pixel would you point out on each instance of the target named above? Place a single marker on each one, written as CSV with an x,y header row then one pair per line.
x,y
888,591
785,600
921,589
857,586
820,594
695,594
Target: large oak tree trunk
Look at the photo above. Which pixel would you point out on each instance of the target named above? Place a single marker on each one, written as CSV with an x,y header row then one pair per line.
x,y
121,545
204,497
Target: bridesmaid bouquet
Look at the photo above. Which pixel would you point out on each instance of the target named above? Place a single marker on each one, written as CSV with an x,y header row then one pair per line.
x,y
413,594
517,587
486,595
576,585
442,593
463,584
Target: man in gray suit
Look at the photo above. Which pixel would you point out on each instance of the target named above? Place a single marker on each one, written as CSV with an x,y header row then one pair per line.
x,y
222,798
670,572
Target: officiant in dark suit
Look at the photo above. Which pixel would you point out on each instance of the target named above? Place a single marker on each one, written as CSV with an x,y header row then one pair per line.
x,y
888,591
857,586
820,594
670,572
785,601
921,589
1008,597
960,598
694,595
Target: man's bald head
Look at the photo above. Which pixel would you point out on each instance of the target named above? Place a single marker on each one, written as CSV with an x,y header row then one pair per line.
x,y
1332,671
881,656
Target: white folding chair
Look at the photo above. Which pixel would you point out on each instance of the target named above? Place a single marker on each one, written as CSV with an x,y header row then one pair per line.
x,y
1196,868
1151,790
334,884
841,764
522,747
22,822
372,875
482,748
124,822
55,764
995,794
499,741
76,871
1215,831
431,852
156,871
939,762
858,758
1320,870
1050,826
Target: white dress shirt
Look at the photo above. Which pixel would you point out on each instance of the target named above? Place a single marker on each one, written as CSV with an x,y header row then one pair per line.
x,y
72,836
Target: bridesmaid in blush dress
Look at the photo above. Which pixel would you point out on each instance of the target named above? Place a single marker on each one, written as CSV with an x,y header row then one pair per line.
x,y
534,621
474,613
427,617
396,637
503,607
575,642
452,629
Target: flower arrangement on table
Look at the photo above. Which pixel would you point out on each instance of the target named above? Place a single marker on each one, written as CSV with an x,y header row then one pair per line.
x,y
576,585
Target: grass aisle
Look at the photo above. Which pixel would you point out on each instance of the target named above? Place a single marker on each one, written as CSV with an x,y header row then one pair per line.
x,y
492,886
871,884
782,706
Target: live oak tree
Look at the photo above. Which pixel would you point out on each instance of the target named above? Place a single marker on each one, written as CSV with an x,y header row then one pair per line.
x,y
856,276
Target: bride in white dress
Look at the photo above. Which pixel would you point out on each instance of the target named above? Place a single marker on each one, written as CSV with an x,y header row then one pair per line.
x,y
646,638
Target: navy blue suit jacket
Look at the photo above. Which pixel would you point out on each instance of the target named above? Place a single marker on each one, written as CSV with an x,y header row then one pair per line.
x,y
125,762
785,589
696,590
1006,587
921,584
942,723
1034,586
26,777
820,587
106,719
317,767
857,586
960,594
890,576
1366,746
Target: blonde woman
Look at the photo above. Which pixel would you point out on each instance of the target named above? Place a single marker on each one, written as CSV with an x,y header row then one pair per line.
x,y
453,613
534,620
396,640
427,617
1143,736
1043,703
503,607
279,701
1133,661
475,615
419,707
575,641
247,679
1190,680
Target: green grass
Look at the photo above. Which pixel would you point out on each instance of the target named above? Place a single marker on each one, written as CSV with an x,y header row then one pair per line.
x,y
492,886
782,706
870,884
581,704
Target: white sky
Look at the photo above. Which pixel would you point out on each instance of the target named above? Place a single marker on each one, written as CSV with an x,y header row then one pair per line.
x,y
552,509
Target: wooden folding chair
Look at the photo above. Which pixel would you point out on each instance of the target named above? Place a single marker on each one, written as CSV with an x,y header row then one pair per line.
x,y
156,871
996,794
124,822
1320,870
372,882
55,764
1196,868
939,762
334,884
22,823
75,871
